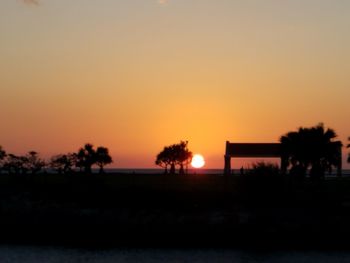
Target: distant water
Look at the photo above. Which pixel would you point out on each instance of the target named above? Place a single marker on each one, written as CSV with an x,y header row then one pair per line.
x,y
190,171
27,254
161,171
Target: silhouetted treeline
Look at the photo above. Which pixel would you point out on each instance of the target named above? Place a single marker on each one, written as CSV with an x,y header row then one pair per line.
x,y
312,149
82,160
29,163
260,205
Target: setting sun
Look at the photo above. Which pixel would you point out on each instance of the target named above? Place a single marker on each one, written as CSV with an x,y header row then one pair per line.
x,y
197,161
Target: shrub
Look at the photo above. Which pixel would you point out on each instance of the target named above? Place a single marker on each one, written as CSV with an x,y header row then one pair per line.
x,y
264,169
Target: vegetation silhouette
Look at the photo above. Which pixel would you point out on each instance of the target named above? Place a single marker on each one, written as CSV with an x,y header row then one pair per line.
x,y
84,159
16,164
156,209
176,154
312,148
30,162
264,169
87,156
262,182
2,157
34,163
63,163
102,158
163,159
348,146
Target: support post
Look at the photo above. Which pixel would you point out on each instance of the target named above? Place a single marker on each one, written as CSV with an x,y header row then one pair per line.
x,y
227,169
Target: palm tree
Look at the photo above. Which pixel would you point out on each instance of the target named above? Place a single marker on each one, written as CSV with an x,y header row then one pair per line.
x,y
313,148
293,152
102,158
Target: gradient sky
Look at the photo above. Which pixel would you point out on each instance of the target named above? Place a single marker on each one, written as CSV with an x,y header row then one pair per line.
x,y
135,75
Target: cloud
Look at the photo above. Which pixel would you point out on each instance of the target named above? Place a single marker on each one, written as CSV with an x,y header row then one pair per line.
x,y
31,2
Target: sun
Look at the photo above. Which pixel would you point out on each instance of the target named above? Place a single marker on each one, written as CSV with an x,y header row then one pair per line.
x,y
197,161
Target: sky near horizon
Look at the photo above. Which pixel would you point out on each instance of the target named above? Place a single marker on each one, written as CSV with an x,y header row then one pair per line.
x,y
136,75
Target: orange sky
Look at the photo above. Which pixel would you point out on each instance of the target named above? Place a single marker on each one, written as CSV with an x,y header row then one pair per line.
x,y
137,75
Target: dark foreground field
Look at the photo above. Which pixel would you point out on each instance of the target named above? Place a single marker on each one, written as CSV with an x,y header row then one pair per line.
x,y
175,211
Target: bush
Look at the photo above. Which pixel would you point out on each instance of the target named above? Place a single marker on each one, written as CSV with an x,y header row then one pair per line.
x,y
264,169
263,183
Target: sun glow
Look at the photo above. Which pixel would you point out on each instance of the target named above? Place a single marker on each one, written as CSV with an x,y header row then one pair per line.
x,y
197,161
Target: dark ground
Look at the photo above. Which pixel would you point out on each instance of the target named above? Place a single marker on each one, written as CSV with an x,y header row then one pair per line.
x,y
175,211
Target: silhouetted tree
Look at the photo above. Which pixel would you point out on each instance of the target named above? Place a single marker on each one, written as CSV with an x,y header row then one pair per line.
x,y
2,157
102,158
33,163
348,146
14,164
2,153
176,154
313,148
163,159
63,163
86,158
183,155
172,158
78,162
